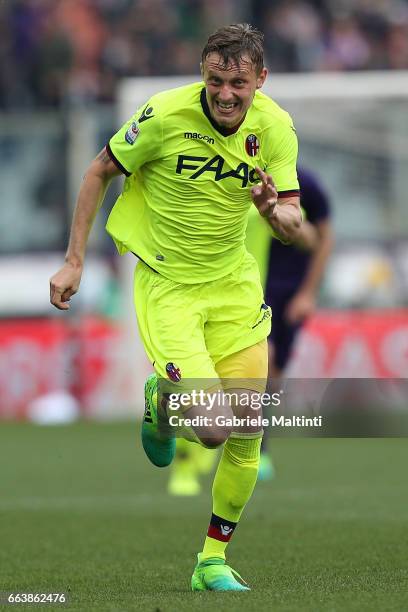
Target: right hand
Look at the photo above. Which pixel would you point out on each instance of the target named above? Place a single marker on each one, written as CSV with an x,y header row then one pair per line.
x,y
64,284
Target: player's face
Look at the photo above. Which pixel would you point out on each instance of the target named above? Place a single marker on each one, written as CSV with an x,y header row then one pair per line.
x,y
230,89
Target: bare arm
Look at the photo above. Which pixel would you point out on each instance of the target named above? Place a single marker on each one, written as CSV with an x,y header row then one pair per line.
x,y
308,237
65,283
303,302
282,214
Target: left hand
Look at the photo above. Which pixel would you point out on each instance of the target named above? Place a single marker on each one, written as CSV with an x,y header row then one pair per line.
x,y
300,307
265,195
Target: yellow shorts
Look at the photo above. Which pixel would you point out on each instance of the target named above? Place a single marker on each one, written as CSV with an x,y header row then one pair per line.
x,y
189,331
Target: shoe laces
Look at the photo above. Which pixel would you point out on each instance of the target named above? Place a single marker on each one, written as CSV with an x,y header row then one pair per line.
x,y
219,561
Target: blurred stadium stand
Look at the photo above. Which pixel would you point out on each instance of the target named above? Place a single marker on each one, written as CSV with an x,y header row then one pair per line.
x,y
59,52
63,65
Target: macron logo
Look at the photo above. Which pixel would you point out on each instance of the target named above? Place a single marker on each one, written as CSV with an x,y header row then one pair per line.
x,y
196,136
225,530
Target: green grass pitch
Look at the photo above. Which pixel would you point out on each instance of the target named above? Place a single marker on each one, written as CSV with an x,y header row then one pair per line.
x,y
81,510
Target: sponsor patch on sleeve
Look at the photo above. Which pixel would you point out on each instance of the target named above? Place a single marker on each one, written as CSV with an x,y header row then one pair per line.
x,y
132,133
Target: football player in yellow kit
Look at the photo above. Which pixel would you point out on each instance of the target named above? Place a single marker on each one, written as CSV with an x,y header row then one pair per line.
x,y
196,159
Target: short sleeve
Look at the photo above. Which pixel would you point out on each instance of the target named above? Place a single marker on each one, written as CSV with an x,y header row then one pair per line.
x,y
138,141
281,164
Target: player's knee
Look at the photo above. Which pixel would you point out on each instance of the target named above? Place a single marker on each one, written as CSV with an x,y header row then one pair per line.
x,y
213,442
209,443
214,439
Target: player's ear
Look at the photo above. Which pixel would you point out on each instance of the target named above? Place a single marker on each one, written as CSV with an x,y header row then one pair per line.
x,y
202,69
261,77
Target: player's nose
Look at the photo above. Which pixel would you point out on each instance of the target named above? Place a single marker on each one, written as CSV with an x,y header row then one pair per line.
x,y
225,94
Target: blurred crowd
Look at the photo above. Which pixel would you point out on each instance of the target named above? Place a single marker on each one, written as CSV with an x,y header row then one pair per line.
x,y
56,52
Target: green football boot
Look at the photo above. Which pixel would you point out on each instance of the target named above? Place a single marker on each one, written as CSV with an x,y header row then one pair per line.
x,y
266,468
213,575
158,442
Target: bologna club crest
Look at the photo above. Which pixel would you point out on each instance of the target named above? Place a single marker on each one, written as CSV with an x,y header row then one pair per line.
x,y
252,145
173,372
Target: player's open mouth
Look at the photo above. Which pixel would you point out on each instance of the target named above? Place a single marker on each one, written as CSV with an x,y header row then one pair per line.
x,y
226,108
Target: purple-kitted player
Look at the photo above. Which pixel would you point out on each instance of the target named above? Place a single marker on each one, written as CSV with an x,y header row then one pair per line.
x,y
292,280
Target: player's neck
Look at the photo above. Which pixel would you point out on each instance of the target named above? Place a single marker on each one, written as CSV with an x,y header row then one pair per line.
x,y
221,129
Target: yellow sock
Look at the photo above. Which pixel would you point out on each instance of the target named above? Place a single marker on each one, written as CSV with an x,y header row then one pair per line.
x,y
233,485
